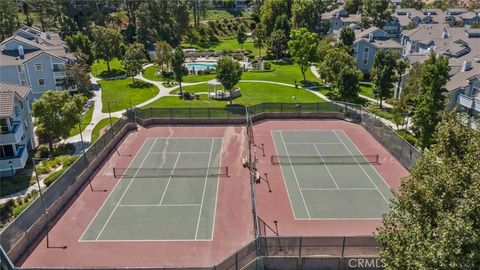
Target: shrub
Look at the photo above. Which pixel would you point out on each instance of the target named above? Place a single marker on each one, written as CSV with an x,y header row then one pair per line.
x,y
225,21
42,152
64,149
200,72
267,65
52,163
167,74
69,161
42,169
53,176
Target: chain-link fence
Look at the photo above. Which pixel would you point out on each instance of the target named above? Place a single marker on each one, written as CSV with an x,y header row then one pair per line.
x,y
19,236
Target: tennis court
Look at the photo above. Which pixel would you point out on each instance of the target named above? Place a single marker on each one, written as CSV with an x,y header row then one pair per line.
x,y
327,177
167,193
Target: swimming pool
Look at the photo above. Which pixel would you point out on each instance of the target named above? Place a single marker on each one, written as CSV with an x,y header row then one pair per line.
x,y
201,66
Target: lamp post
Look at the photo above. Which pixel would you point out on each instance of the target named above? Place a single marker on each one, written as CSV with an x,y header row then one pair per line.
x,y
45,212
109,112
11,167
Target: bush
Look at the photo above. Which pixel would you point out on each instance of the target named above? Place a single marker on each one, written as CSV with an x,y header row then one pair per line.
x,y
69,161
52,163
42,169
200,72
53,176
42,152
167,74
64,149
267,65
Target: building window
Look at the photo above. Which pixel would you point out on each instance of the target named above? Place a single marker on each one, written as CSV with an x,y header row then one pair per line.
x,y
57,67
38,67
6,151
41,82
365,56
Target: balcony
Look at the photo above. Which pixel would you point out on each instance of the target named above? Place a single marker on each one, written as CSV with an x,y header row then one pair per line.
x,y
18,161
12,136
477,104
466,101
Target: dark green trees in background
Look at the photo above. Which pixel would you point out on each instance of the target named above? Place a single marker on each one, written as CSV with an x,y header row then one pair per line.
x,y
375,13
229,73
347,36
134,59
384,74
434,222
303,48
8,18
430,99
107,44
277,43
241,35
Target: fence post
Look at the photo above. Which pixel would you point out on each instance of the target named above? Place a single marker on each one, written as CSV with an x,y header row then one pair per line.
x,y
300,249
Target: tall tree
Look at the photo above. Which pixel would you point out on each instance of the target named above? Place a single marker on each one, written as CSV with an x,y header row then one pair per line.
x,y
47,11
272,9
56,113
8,18
375,12
277,43
229,73
241,35
282,23
352,6
400,69
76,75
305,14
416,4
79,42
383,74
163,52
347,36
134,59
348,83
430,101
303,48
106,44
334,61
178,66
259,36
434,220
412,85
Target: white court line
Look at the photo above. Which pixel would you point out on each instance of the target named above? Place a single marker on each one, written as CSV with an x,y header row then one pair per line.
x,y
156,205
326,167
173,153
125,191
311,143
169,179
294,174
204,188
116,184
341,189
361,167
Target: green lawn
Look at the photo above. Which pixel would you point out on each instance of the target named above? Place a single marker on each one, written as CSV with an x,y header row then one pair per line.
x,y
99,126
230,44
151,74
252,93
198,78
99,69
366,89
285,73
86,119
123,93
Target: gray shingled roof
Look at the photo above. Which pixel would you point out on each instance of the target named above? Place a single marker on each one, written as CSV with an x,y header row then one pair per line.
x,y
8,92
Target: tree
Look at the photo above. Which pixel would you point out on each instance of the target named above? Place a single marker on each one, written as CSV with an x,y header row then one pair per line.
x,y
412,85
241,35
178,66
352,6
383,74
375,12
277,43
399,110
259,36
348,83
282,23
163,52
229,73
324,45
303,48
416,4
47,11
334,61
76,75
56,113
430,101
8,18
434,220
134,59
400,67
306,13
272,9
106,44
80,42
347,36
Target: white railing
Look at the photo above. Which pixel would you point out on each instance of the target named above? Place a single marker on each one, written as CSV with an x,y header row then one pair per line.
x,y
465,101
17,162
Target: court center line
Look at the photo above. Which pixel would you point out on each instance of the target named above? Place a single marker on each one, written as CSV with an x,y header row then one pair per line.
x,y
361,167
204,188
125,191
294,174
173,153
326,167
341,189
169,179
311,143
156,205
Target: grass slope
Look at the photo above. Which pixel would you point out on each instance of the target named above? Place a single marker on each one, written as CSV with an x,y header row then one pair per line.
x,y
123,93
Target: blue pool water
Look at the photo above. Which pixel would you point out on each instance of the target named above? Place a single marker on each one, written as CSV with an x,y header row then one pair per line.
x,y
201,66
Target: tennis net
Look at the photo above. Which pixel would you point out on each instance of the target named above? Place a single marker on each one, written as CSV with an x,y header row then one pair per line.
x,y
169,172
327,160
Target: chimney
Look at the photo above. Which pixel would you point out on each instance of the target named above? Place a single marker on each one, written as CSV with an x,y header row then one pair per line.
x,y
49,35
409,15
370,37
21,52
466,66
37,40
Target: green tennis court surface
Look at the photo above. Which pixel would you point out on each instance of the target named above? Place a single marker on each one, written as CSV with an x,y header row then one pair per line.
x,y
168,192
342,185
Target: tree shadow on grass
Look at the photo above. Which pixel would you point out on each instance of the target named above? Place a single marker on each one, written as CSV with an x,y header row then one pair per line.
x,y
139,84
